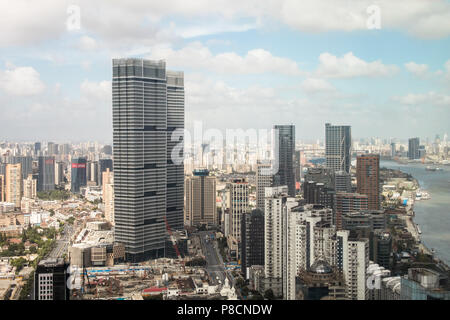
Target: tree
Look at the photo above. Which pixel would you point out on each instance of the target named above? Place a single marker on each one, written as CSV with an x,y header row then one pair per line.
x,y
240,283
54,195
18,263
26,290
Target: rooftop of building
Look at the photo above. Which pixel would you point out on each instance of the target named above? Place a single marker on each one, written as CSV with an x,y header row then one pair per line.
x,y
200,172
89,236
320,266
309,207
154,290
52,262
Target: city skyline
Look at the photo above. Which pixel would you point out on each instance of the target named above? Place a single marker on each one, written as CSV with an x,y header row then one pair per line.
x,y
262,66
225,150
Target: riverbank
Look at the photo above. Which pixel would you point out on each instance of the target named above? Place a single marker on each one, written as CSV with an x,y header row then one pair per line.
x,y
432,215
411,226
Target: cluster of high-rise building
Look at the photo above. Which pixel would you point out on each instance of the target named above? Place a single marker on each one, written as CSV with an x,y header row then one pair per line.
x,y
313,234
296,236
318,245
27,170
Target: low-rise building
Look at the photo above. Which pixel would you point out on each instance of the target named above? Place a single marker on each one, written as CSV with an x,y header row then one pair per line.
x,y
425,284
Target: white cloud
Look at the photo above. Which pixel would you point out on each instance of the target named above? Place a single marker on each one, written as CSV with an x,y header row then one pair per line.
x,y
222,106
218,42
99,91
349,66
417,17
218,103
211,94
21,81
256,61
426,19
29,22
321,16
313,85
87,43
213,28
417,69
429,99
124,24
56,115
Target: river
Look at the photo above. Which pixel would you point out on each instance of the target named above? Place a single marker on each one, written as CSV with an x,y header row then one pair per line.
x,y
433,215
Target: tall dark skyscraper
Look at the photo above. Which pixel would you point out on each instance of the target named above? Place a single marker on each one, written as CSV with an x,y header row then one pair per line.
x,y
338,141
78,174
103,164
286,146
368,178
148,106
37,148
382,248
252,239
413,148
46,175
318,193
297,165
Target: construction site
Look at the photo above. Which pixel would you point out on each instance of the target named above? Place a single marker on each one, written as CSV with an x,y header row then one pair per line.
x,y
164,278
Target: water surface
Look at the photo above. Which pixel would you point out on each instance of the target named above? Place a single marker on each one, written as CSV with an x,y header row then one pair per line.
x,y
433,216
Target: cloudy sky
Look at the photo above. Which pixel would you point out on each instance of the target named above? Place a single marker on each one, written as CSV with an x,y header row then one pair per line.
x,y
247,64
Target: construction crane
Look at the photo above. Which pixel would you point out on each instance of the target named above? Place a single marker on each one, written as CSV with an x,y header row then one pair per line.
x,y
174,242
87,277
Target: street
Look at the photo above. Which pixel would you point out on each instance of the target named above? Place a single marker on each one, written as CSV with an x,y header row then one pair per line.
x,y
214,263
62,244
